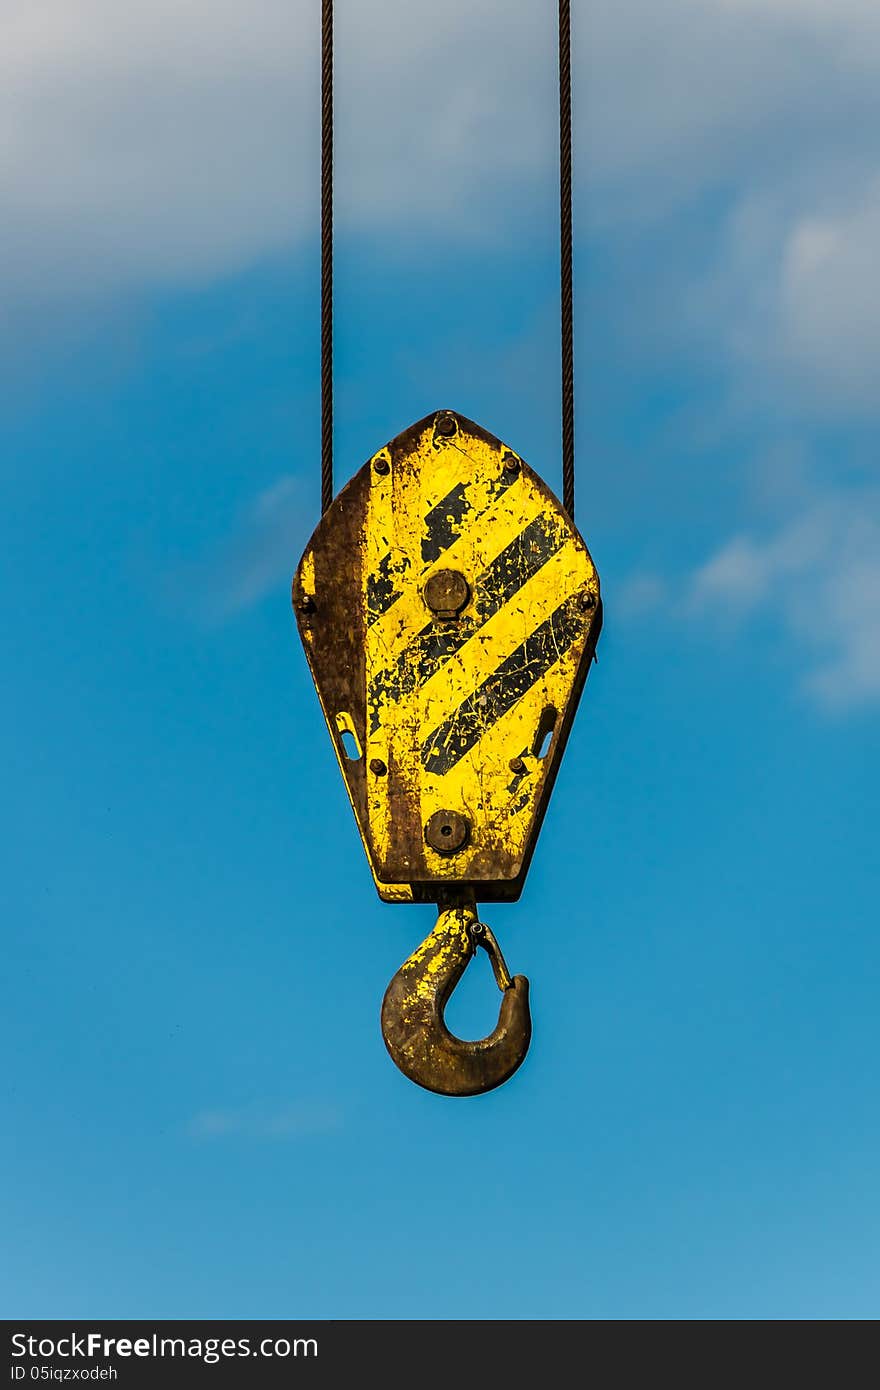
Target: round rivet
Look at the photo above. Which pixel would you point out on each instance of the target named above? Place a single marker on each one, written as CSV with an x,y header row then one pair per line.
x,y
588,600
517,765
446,425
382,466
378,767
447,832
446,593
307,604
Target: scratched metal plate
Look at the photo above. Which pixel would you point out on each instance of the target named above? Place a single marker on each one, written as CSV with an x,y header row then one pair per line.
x,y
459,715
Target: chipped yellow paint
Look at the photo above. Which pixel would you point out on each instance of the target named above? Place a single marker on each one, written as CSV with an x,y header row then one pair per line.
x,y
307,574
479,784
453,710
431,961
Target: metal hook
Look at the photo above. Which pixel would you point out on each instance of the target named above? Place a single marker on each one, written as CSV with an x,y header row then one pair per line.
x,y
412,1012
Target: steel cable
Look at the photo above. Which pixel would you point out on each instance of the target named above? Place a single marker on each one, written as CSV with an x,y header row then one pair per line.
x,y
565,249
565,257
326,254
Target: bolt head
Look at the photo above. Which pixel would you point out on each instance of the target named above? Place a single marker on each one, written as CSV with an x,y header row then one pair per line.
x,y
588,601
446,425
446,593
377,767
517,765
307,604
382,466
447,832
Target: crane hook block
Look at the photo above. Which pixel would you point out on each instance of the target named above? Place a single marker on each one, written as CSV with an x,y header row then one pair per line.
x,y
449,611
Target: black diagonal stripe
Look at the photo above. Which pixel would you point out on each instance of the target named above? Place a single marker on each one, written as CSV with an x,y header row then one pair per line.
x,y
443,523
517,563
500,691
424,655
433,646
382,588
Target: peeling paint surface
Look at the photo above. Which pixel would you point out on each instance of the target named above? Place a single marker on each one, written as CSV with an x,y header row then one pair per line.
x,y
465,712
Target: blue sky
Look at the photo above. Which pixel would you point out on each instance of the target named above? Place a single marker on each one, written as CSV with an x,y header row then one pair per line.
x,y
200,1117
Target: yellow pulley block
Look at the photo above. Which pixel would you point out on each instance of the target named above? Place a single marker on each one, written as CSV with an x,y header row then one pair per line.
x,y
449,611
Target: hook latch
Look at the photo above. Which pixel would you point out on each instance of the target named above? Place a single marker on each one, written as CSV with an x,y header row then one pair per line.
x,y
413,1026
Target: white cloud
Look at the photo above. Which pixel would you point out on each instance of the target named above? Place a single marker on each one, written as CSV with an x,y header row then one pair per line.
x,y
818,577
258,555
140,141
830,297
794,297
154,140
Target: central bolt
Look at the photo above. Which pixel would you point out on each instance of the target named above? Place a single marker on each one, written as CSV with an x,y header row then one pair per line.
x,y
446,593
447,832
